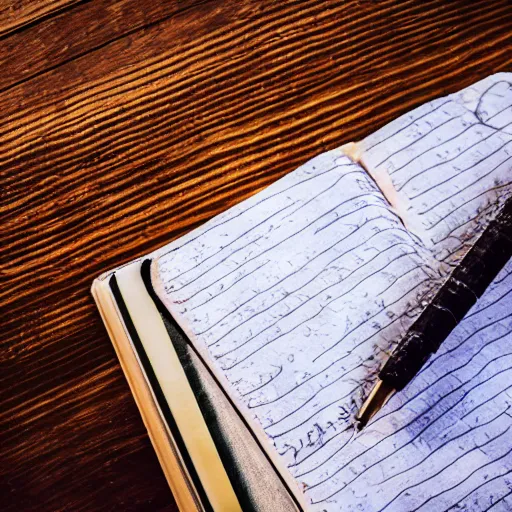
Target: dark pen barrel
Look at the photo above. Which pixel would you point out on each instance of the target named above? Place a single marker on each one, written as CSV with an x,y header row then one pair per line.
x,y
456,297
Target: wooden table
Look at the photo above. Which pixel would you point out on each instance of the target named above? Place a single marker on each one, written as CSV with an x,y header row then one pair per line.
x,y
125,124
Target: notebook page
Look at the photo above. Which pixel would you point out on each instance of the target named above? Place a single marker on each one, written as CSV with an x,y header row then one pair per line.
x,y
449,163
445,442
295,297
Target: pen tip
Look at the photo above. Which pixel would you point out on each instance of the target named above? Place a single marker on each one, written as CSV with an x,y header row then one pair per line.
x,y
378,396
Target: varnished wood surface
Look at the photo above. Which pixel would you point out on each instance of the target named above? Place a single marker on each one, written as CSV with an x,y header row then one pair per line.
x,y
18,14
126,123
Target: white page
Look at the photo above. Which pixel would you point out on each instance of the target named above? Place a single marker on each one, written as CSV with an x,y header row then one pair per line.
x,y
284,295
450,161
295,298
445,442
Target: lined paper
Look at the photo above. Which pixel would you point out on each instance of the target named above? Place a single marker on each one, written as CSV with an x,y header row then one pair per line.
x,y
450,162
445,442
296,296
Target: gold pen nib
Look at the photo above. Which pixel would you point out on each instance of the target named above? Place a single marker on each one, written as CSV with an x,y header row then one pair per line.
x,y
378,396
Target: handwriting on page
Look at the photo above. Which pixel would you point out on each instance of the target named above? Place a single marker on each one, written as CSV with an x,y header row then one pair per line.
x,y
445,442
298,295
451,160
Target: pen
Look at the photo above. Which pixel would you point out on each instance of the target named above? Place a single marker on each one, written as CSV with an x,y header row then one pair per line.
x,y
458,294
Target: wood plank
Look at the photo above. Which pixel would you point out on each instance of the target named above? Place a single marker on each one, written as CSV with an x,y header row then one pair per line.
x,y
109,155
75,32
16,15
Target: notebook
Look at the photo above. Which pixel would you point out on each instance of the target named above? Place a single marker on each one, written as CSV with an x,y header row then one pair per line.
x,y
251,343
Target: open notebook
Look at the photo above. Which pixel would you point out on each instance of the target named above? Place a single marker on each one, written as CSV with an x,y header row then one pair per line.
x,y
251,342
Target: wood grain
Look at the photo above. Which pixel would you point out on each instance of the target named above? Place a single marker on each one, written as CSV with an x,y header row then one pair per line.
x,y
18,14
76,32
125,124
